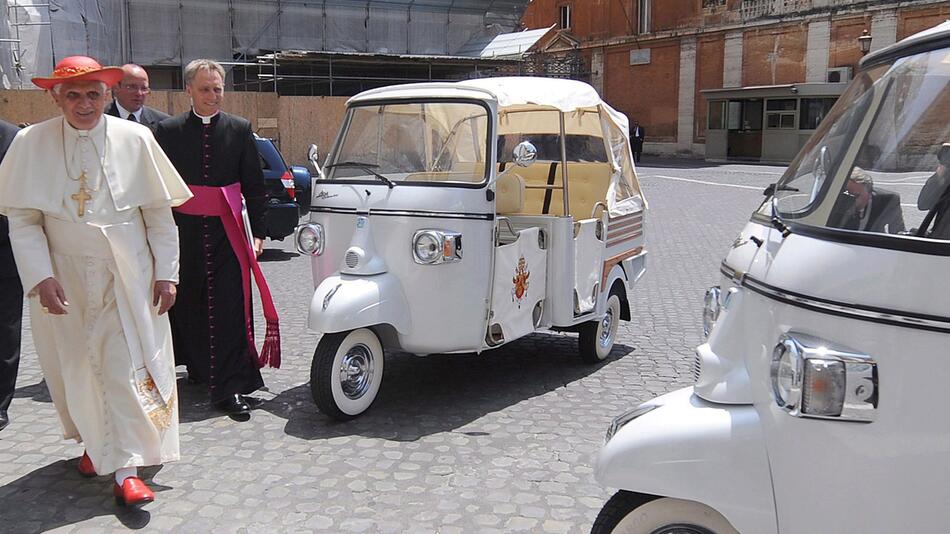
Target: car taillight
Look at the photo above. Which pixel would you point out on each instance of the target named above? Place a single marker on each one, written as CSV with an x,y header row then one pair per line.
x,y
288,180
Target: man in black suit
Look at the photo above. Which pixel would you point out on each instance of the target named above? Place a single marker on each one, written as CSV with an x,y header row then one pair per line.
x,y
130,96
872,210
11,301
212,328
637,134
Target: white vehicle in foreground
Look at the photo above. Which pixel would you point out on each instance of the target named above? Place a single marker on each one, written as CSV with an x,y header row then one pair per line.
x,y
817,406
533,176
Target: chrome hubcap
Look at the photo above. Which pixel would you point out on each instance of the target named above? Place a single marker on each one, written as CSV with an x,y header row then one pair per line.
x,y
606,336
356,371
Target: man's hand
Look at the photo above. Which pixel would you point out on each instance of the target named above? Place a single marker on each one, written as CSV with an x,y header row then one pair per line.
x,y
164,295
52,296
258,246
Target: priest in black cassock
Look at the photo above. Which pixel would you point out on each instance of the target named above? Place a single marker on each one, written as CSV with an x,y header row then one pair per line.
x,y
216,155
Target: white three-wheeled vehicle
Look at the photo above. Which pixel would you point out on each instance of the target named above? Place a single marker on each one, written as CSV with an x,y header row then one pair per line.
x,y
817,407
457,217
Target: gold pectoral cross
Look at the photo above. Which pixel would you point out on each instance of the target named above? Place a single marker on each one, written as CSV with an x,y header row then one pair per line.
x,y
82,195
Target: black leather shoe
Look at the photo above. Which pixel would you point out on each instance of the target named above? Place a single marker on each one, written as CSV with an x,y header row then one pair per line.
x,y
4,419
252,402
233,405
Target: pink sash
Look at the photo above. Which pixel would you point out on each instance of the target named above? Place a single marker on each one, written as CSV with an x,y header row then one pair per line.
x,y
225,202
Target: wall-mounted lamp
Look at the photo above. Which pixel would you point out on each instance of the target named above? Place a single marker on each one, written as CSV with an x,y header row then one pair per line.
x,y
864,42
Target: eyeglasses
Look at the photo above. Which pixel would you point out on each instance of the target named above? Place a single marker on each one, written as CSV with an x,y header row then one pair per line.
x,y
136,88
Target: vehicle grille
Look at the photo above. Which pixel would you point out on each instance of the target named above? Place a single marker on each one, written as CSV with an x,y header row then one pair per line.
x,y
697,367
352,259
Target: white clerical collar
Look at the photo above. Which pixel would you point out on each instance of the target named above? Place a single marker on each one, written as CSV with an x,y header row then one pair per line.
x,y
96,130
204,119
124,113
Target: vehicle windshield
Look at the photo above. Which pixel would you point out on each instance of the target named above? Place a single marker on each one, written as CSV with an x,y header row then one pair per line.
x,y
878,162
413,142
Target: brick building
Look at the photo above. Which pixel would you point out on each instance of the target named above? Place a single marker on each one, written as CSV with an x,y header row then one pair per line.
x,y
728,79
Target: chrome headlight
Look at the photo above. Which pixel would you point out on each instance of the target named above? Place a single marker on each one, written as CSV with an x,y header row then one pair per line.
x,y
431,247
811,378
711,309
309,239
626,417
787,373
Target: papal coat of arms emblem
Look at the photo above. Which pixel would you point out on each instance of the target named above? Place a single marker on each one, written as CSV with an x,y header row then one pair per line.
x,y
520,281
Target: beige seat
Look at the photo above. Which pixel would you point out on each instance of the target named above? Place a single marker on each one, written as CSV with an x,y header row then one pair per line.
x,y
509,194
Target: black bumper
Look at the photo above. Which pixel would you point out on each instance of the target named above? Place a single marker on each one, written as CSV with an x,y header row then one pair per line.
x,y
282,219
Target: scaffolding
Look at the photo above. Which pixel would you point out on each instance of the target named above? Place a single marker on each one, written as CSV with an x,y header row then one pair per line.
x,y
164,35
20,16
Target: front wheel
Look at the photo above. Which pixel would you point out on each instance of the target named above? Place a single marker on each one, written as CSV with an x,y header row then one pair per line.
x,y
634,513
597,338
346,372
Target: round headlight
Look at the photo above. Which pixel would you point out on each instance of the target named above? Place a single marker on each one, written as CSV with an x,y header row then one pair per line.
x,y
711,309
427,247
787,373
309,239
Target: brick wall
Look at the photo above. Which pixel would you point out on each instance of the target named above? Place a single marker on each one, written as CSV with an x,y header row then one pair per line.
x,y
591,19
844,50
647,93
774,55
709,66
911,21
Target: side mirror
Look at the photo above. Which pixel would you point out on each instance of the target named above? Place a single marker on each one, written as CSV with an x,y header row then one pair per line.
x,y
524,154
313,154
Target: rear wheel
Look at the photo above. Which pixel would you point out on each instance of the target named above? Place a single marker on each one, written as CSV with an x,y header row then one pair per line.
x,y
346,372
597,338
634,513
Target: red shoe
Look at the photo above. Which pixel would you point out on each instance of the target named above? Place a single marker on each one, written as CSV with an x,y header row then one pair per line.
x,y
85,466
132,492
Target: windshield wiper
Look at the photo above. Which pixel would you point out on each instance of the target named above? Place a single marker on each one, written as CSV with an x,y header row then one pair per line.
x,y
772,188
777,221
368,167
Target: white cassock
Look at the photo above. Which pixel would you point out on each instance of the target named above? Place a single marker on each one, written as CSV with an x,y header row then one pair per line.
x,y
108,362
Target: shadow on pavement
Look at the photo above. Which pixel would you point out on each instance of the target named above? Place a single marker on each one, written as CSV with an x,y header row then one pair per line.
x,y
56,495
275,254
420,396
37,392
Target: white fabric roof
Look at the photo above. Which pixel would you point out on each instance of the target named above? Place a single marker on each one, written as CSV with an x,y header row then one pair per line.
x,y
565,95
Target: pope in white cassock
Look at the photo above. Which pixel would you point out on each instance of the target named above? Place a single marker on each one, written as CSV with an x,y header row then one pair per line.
x,y
89,200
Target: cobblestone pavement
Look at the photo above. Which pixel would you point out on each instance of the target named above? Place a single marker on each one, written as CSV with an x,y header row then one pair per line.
x,y
501,442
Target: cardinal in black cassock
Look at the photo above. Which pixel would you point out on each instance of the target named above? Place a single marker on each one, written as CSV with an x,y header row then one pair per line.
x,y
211,320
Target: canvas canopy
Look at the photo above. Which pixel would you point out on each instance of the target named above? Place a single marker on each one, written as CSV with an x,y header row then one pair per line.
x,y
532,105
585,114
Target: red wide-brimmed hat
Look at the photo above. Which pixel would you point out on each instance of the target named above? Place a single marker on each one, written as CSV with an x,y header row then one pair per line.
x,y
80,69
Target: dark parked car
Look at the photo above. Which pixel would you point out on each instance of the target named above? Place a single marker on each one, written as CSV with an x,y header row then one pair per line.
x,y
286,186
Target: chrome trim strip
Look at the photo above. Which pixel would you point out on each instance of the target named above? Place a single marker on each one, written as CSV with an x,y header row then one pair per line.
x,y
732,274
408,213
932,323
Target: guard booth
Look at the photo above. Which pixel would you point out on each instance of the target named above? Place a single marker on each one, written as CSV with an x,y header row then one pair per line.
x,y
767,124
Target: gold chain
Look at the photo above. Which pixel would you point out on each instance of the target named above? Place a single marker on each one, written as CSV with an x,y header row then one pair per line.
x,y
99,157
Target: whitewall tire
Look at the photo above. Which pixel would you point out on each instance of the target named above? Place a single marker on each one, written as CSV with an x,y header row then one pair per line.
x,y
633,513
346,373
597,338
